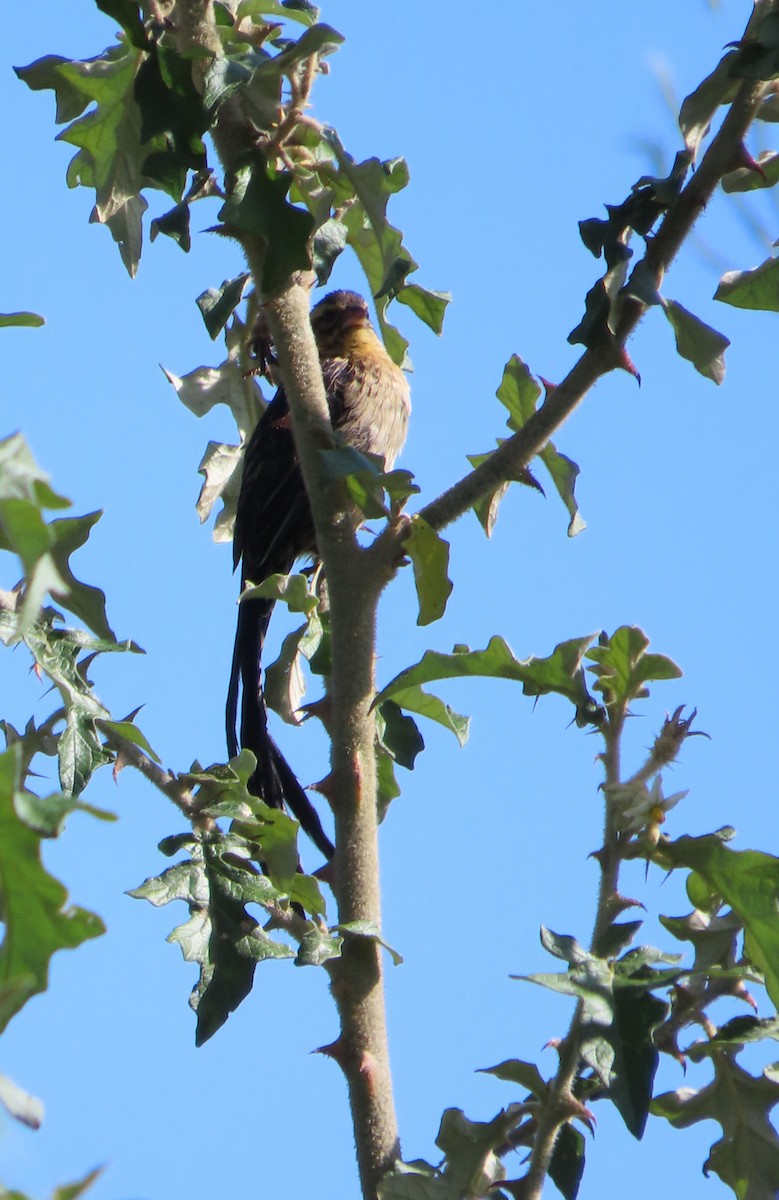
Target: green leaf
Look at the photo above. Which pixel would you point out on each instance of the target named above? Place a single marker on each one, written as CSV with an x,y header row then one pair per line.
x,y
130,731
748,881
415,1181
365,929
306,892
387,788
175,225
563,946
111,154
747,179
223,791
217,305
173,115
713,937
58,653
126,14
746,1157
399,735
28,320
285,685
71,1191
429,306
293,590
45,551
46,815
362,475
758,288
526,1074
317,947
567,1164
294,10
472,1164
697,342
519,394
622,666
220,935
414,699
618,1019
46,73
758,55
696,113
486,507
258,205
37,923
561,672
363,190
429,556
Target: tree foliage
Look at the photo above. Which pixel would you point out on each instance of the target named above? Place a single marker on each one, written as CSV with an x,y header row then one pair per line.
x,y
199,100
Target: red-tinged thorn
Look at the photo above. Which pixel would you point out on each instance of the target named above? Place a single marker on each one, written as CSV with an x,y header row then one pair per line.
x,y
335,1051
742,158
325,787
625,362
549,388
744,995
553,1044
38,672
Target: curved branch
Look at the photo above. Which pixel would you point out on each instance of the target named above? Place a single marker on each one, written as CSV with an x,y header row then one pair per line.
x,y
519,450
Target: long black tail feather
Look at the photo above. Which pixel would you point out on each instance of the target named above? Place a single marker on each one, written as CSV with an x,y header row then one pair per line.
x,y
273,780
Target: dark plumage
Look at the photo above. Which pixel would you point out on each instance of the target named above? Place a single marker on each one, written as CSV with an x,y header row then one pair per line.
x,y
369,406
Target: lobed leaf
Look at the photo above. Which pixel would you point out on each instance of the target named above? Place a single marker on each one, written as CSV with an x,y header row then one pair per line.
x,y
561,672
748,881
258,205
623,666
746,1157
37,921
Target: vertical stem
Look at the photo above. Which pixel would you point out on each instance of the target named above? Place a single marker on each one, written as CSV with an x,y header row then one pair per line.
x,y
354,586
357,983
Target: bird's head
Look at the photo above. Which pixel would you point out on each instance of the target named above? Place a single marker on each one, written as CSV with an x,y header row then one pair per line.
x,y
338,322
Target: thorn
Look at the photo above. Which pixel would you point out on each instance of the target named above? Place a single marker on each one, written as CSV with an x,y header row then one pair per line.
x,y
549,388
742,159
625,363
36,666
741,992
325,787
553,1044
325,873
335,1050
120,762
322,709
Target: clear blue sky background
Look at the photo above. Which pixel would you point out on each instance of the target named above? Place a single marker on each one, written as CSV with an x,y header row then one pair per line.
x,y
517,120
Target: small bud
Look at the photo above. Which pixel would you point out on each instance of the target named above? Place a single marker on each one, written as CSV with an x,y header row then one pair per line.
x,y
669,741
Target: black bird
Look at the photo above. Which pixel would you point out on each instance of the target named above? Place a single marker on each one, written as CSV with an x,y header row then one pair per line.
x,y
369,406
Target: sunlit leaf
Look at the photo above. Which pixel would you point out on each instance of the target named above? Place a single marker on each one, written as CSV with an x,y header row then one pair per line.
x,y
697,341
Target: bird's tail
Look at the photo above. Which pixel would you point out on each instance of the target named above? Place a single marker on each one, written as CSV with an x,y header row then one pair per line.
x,y
273,780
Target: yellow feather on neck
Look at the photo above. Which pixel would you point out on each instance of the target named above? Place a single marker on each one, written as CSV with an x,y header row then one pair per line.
x,y
360,340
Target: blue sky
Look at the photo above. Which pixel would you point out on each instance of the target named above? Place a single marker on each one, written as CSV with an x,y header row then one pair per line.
x,y
517,121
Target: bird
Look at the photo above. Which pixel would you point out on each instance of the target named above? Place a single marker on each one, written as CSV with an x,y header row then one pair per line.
x,y
369,401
